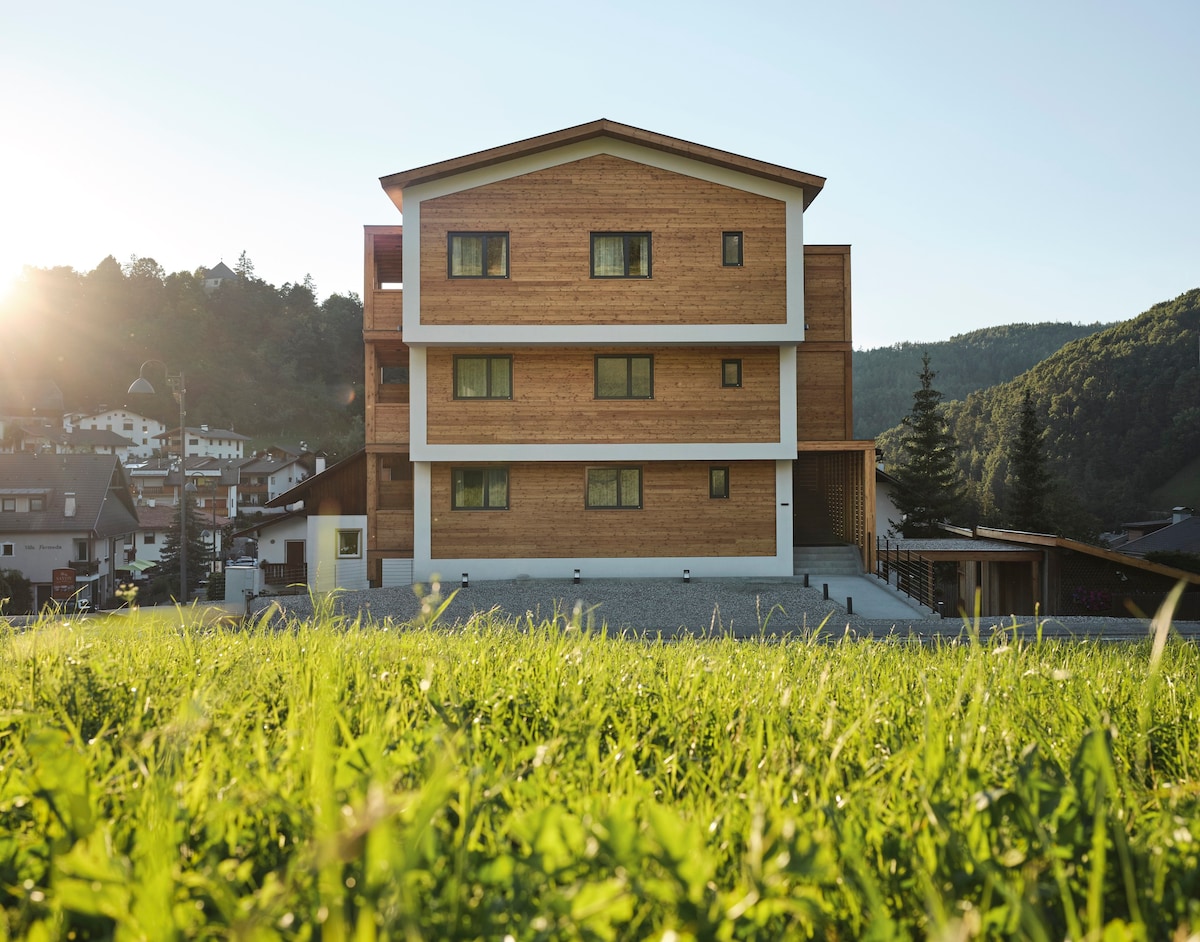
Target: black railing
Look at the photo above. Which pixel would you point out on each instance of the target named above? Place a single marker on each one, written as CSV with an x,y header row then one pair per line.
x,y
910,572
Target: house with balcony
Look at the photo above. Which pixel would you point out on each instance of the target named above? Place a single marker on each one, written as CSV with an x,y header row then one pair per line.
x,y
205,442
141,432
607,350
64,522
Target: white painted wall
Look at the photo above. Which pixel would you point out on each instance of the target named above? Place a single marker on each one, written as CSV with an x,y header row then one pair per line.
x,y
326,571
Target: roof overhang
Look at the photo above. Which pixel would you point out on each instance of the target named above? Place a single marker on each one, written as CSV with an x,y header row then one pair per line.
x,y
394,184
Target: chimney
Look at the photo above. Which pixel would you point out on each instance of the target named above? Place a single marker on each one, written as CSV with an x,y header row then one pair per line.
x,y
204,428
69,504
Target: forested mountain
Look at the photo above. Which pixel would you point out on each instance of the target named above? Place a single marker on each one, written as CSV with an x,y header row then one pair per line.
x,y
884,378
1121,409
268,362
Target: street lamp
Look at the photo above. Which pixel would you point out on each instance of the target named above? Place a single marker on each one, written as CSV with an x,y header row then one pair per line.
x,y
142,387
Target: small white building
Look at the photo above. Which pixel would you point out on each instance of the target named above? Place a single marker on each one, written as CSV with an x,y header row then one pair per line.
x,y
141,431
205,442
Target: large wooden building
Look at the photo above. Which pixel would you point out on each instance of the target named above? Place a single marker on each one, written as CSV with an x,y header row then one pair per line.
x,y
607,350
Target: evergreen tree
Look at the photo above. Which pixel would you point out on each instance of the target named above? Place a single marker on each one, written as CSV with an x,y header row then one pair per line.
x,y
929,491
198,552
1029,480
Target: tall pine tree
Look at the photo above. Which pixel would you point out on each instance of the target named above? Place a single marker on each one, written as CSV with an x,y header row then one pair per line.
x,y
930,491
1029,481
198,552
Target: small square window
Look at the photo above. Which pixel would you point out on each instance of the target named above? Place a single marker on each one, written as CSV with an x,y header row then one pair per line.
x,y
393,375
6,549
718,482
37,504
8,504
731,249
614,489
625,377
731,372
349,544
482,377
478,254
479,489
149,539
620,254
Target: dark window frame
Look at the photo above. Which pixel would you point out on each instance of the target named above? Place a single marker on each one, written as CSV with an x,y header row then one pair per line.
x,y
718,491
628,358
8,505
741,241
625,236
619,505
482,469
490,359
485,236
725,364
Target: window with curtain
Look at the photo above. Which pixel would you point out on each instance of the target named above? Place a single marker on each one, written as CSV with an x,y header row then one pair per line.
x,y
478,254
718,482
625,377
731,249
620,254
479,489
483,377
614,488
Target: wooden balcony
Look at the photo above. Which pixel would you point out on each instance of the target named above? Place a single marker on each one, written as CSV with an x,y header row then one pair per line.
x,y
391,424
383,314
85,567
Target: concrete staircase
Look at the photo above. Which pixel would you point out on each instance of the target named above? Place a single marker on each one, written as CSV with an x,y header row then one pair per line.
x,y
827,560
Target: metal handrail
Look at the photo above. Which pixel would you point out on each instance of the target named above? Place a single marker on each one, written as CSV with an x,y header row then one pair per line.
x,y
909,572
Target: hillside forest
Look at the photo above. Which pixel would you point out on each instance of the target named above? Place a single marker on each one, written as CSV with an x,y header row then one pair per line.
x,y
1120,413
272,363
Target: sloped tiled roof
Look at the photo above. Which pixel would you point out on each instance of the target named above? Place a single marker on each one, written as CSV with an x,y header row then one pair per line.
x,y
1181,537
103,504
220,270
207,433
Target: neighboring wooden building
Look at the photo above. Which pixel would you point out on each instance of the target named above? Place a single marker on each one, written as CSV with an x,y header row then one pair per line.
x,y
607,350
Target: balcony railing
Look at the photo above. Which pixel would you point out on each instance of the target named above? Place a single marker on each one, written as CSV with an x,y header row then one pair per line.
x,y
385,308
85,567
911,573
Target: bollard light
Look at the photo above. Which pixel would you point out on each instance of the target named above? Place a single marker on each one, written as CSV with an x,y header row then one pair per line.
x,y
465,582
577,577
825,590
849,605
687,575
806,580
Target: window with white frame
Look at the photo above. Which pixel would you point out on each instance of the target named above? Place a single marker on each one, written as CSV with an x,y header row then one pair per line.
x,y
349,544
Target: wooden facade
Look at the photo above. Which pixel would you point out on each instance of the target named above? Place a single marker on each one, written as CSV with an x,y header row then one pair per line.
x,y
694,313
548,517
549,216
554,399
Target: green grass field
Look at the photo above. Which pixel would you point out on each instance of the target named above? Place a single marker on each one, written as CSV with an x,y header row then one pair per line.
x,y
336,780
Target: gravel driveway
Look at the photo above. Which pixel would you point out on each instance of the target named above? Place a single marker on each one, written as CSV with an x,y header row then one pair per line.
x,y
742,608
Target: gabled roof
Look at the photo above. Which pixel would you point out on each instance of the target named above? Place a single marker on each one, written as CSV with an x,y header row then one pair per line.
x,y
1181,537
266,523
207,433
164,516
103,504
344,482
220,270
395,183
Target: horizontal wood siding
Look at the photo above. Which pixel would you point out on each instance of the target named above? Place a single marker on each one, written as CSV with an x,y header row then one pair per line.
x,y
393,531
822,394
385,310
550,214
554,399
547,517
827,293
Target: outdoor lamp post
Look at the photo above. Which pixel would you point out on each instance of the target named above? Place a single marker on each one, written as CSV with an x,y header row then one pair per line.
x,y
142,387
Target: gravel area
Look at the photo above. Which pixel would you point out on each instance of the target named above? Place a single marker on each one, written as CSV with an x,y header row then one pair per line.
x,y
743,608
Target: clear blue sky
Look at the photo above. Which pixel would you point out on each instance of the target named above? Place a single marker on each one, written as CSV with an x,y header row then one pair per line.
x,y
989,162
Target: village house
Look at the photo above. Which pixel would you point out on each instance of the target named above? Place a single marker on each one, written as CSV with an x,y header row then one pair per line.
x,y
608,352
64,522
205,442
141,432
